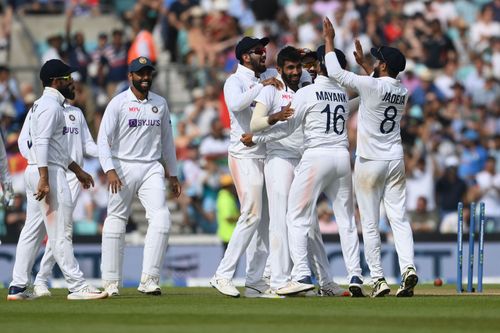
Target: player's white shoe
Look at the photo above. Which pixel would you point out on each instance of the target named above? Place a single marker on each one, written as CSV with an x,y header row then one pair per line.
x,y
224,286
150,285
356,287
294,287
41,290
256,290
87,293
408,281
333,290
19,294
270,293
380,288
111,287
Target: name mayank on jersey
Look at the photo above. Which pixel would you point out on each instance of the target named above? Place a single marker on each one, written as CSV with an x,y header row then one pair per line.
x,y
331,96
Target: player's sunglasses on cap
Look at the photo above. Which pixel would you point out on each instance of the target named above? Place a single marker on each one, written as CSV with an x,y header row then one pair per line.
x,y
249,45
309,64
64,78
394,59
258,51
56,69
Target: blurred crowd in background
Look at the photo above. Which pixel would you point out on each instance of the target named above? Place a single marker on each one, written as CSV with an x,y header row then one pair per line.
x,y
451,130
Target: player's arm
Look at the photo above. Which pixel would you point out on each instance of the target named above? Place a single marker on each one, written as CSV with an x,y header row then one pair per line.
x,y
89,146
284,129
261,119
46,120
360,58
238,98
104,140
343,77
82,176
168,153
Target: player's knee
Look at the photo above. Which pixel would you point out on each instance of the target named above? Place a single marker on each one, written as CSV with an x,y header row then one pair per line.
x,y
161,220
114,225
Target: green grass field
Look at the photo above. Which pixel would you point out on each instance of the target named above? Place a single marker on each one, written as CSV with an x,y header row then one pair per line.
x,y
205,310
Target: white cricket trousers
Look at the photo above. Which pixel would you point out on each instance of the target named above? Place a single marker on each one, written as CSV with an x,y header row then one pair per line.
x,y
279,173
48,261
322,170
51,216
248,176
147,180
377,181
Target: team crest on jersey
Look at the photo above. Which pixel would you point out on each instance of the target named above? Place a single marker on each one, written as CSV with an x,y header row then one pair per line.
x,y
72,117
154,109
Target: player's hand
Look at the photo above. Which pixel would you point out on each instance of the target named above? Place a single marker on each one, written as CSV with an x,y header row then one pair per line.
x,y
328,30
285,114
273,82
358,53
43,189
246,138
114,182
85,179
175,186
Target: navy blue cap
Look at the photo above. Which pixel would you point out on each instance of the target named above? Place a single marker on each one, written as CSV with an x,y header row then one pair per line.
x,y
248,43
391,56
55,68
340,56
139,63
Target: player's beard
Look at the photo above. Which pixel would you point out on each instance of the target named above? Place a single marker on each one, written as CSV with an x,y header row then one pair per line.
x,y
291,80
138,84
376,72
68,92
258,66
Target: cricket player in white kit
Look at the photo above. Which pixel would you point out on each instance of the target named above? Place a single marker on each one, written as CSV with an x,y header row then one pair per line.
x,y
5,180
379,172
47,191
247,169
321,112
135,138
80,143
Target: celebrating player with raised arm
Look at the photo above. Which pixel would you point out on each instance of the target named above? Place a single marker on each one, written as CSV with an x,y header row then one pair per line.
x,y
135,139
379,172
47,191
321,111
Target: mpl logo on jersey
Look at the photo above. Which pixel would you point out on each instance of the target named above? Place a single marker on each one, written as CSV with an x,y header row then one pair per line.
x,y
70,130
133,109
143,122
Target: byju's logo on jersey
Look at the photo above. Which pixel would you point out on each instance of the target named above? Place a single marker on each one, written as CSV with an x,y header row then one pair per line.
x,y
143,122
70,130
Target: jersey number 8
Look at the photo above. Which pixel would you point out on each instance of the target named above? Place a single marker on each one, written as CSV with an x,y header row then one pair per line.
x,y
389,118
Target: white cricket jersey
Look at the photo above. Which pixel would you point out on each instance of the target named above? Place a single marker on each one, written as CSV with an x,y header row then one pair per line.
x,y
76,131
240,90
321,112
382,103
134,130
275,100
47,142
4,166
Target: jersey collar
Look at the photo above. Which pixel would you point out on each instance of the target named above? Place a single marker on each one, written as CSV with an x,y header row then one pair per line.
x,y
132,97
247,72
54,93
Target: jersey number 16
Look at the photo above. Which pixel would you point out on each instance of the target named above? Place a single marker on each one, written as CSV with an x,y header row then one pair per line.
x,y
336,119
